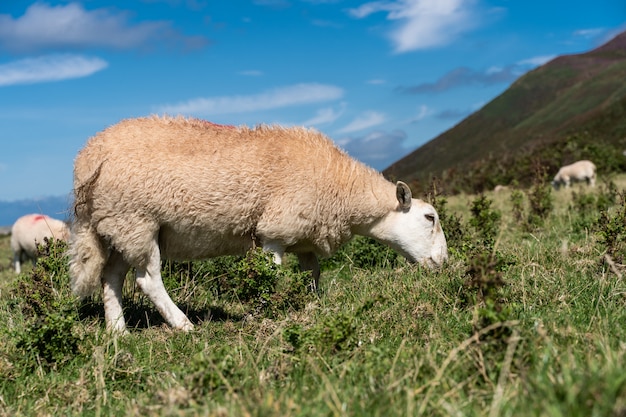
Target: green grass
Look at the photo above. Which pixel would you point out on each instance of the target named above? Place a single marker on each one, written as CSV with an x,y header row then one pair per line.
x,y
384,338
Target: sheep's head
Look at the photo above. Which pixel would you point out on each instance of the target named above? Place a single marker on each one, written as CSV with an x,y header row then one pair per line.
x,y
414,230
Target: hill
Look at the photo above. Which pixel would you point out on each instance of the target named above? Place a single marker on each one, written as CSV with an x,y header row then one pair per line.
x,y
550,115
54,206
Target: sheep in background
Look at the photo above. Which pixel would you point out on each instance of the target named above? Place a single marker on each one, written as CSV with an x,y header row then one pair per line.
x,y
30,230
578,171
499,188
183,189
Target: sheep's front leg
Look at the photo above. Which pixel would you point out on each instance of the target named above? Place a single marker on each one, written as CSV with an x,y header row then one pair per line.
x,y
150,281
113,276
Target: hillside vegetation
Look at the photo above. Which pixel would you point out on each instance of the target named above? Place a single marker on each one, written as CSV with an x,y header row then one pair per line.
x,y
527,318
571,108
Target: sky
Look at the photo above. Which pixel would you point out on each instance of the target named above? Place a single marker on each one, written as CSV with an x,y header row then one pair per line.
x,y
380,78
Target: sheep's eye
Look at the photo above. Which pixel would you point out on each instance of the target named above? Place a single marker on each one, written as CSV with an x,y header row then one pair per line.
x,y
430,217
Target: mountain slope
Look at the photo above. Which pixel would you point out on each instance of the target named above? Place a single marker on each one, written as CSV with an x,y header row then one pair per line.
x,y
543,107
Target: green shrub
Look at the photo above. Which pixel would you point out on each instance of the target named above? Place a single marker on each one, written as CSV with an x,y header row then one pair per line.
x,y
50,311
362,252
451,223
540,199
612,230
517,206
485,221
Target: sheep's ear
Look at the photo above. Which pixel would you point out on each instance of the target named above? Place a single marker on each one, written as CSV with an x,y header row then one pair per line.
x,y
403,194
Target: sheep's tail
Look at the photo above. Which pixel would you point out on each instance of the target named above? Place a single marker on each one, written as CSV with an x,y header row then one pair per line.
x,y
87,253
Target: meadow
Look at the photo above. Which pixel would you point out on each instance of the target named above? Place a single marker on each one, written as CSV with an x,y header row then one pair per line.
x,y
527,318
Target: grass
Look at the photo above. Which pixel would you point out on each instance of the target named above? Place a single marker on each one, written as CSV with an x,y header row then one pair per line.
x,y
531,322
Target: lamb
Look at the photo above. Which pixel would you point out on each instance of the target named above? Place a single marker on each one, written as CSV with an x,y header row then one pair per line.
x,y
185,189
30,230
578,171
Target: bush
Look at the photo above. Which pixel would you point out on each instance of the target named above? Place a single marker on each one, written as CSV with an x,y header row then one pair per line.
x,y
362,252
485,221
540,199
50,311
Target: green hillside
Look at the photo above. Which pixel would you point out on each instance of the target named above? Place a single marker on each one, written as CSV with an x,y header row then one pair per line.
x,y
574,106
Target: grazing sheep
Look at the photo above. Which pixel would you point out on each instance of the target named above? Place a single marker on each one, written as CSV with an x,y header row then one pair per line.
x,y
30,230
578,171
183,189
498,188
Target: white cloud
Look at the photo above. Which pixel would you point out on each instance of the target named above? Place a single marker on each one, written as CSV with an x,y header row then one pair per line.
x,y
537,60
378,149
376,81
589,33
422,23
272,99
49,68
325,116
71,26
364,121
422,113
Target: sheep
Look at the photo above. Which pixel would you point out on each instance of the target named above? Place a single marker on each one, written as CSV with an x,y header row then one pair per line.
x,y
578,171
185,189
30,230
498,188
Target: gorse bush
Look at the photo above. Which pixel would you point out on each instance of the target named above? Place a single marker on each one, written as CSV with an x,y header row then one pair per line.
x,y
336,333
588,205
540,199
50,311
451,223
612,230
517,206
485,221
362,252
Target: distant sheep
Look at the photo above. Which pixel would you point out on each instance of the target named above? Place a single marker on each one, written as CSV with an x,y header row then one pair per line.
x,y
498,188
176,188
30,230
578,171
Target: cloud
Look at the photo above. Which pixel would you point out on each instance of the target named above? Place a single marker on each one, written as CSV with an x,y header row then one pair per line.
x,y
364,121
453,114
422,113
589,33
377,149
537,60
49,68
421,24
463,76
325,116
71,26
457,114
272,99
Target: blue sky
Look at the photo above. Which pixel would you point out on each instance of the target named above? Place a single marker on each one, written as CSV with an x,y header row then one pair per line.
x,y
380,78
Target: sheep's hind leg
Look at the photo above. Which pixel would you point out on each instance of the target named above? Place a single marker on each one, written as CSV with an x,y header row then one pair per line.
x,y
17,262
308,262
150,281
113,276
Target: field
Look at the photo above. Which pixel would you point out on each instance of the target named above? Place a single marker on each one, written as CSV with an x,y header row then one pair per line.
x,y
527,318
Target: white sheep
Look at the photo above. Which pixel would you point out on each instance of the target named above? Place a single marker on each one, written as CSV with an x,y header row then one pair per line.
x,y
30,230
578,171
184,189
499,188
